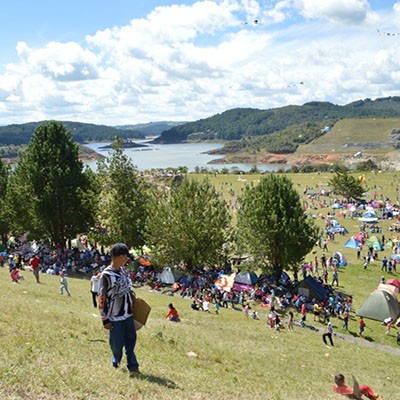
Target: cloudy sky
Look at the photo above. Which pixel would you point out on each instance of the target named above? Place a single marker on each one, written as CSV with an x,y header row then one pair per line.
x,y
124,61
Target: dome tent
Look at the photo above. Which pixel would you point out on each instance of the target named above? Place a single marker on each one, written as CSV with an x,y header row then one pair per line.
x,y
379,305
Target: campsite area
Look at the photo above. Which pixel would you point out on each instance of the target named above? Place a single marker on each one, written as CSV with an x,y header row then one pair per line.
x,y
47,336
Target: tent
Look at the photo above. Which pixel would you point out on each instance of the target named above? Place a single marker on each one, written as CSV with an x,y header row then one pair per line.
x,y
244,281
340,259
395,283
186,280
311,288
379,305
169,276
246,278
338,229
352,243
374,243
389,245
395,256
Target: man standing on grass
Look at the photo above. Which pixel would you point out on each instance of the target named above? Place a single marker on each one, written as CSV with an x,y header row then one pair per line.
x,y
115,305
34,261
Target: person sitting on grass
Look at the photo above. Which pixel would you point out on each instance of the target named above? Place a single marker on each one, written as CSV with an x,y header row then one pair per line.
x,y
173,314
356,392
15,276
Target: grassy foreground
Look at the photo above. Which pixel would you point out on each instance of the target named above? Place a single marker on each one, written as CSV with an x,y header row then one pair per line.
x,y
53,347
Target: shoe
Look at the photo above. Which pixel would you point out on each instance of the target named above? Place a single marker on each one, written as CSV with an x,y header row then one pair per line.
x,y
134,370
115,364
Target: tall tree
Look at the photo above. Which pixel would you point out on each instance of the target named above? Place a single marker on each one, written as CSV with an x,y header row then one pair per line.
x,y
4,215
347,185
272,226
123,201
188,224
50,176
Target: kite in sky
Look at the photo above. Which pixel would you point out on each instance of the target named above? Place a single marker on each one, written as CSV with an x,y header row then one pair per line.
x,y
388,33
254,22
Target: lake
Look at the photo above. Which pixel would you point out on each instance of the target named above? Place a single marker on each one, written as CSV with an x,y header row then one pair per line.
x,y
188,155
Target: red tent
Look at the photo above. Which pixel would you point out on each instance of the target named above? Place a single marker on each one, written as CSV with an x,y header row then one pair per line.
x,y
394,282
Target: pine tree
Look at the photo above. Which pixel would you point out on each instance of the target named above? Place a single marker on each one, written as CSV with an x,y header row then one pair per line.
x,y
48,191
272,226
123,201
347,185
188,225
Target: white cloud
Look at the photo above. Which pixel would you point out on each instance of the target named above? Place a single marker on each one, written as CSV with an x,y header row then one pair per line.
x,y
396,7
344,11
188,62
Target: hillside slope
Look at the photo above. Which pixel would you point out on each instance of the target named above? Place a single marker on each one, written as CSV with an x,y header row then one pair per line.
x,y
19,134
245,122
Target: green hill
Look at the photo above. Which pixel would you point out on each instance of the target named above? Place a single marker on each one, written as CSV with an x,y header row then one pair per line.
x,y
151,128
354,135
242,123
20,134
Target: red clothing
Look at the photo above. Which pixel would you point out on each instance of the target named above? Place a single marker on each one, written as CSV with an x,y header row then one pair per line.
x,y
364,389
34,262
15,275
172,313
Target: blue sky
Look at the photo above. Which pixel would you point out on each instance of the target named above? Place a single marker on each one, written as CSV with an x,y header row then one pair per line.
x,y
130,61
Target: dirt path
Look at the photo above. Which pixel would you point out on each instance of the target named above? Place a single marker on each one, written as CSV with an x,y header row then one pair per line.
x,y
357,340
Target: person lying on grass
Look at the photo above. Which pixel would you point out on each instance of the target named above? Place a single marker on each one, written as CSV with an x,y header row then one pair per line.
x,y
356,392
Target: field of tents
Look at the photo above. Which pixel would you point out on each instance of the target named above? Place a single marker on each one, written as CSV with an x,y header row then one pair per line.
x,y
381,198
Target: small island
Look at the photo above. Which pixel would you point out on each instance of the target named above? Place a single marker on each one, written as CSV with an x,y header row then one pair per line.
x,y
127,144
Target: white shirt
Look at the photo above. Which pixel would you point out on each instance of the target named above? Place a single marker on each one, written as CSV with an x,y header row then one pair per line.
x,y
95,283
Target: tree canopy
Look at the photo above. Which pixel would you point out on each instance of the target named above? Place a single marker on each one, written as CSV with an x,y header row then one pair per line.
x,y
49,193
346,185
272,226
188,225
4,216
123,201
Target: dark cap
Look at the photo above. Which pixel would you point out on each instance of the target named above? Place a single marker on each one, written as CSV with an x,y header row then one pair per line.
x,y
119,249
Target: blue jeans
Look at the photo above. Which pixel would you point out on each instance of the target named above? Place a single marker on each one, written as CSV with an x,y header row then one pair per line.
x,y
123,334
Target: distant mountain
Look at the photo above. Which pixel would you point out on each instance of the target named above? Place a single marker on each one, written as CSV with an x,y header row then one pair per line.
x,y
152,128
19,134
242,123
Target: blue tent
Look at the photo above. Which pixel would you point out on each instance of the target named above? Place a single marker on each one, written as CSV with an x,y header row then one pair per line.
x,y
338,229
311,288
246,278
352,243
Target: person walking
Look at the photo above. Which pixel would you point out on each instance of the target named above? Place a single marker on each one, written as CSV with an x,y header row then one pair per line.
x,y
290,321
384,264
361,327
64,283
345,319
335,277
94,286
115,306
328,332
34,261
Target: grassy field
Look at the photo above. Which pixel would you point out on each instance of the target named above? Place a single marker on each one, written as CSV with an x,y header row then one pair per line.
x,y
54,347
353,135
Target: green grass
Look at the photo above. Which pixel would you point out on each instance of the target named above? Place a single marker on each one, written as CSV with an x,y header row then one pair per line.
x,y
350,136
54,347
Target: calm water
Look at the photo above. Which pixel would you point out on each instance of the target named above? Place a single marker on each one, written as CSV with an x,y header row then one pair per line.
x,y
189,155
